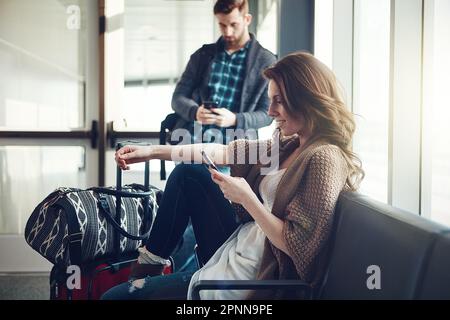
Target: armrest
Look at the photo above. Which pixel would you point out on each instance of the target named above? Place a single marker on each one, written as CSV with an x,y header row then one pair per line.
x,y
249,285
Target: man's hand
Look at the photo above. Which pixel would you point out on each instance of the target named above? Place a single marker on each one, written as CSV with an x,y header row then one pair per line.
x,y
224,118
205,116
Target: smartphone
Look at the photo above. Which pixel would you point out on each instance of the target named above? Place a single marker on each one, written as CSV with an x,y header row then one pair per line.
x,y
210,105
208,161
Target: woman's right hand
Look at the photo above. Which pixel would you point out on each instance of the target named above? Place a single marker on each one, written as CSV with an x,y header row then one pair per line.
x,y
132,154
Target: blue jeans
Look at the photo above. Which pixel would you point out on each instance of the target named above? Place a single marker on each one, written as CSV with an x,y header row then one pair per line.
x,y
168,287
191,194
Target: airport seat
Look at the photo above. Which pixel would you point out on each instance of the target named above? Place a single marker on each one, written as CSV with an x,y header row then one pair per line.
x,y
371,241
436,282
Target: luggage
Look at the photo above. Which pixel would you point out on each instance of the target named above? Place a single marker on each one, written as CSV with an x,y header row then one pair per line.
x,y
95,278
91,236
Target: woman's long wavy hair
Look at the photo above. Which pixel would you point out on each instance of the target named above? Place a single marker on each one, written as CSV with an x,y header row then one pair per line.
x,y
310,89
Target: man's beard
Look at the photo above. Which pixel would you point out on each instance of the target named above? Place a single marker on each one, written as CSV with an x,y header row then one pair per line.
x,y
235,42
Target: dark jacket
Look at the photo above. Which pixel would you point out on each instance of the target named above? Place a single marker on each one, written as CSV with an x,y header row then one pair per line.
x,y
192,88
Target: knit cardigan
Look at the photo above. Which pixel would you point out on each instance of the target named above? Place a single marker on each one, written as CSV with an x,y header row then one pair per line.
x,y
305,200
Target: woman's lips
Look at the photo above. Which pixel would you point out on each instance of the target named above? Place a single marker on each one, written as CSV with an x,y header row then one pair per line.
x,y
280,123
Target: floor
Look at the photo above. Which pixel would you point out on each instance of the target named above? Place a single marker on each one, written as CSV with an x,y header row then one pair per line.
x,y
24,286
35,286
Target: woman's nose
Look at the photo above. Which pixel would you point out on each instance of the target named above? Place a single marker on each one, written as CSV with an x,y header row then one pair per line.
x,y
272,112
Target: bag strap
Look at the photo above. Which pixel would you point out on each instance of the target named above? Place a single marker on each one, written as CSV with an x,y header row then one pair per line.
x,y
105,209
75,235
121,193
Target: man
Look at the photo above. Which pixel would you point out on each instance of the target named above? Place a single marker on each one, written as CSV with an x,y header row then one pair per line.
x,y
228,73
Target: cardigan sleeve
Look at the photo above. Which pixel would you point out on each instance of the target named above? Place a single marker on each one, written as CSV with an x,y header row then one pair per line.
x,y
242,154
309,215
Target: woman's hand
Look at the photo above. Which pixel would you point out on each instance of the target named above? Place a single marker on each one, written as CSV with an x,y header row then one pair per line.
x,y
234,189
132,154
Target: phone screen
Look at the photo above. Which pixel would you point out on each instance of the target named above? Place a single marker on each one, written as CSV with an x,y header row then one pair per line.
x,y
208,161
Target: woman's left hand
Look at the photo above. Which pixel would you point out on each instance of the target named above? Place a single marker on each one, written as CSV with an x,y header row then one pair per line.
x,y
234,189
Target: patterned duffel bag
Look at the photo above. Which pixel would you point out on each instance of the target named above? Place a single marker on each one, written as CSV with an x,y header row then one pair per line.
x,y
74,226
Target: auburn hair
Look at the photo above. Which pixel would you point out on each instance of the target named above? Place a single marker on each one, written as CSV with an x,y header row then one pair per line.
x,y
310,89
226,6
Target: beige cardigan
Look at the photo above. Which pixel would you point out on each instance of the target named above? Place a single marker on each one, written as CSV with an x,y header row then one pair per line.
x,y
305,200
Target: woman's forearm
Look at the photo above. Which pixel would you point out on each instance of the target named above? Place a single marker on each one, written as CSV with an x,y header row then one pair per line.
x,y
189,153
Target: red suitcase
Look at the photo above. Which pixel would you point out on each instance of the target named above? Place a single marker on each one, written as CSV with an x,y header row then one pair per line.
x,y
96,279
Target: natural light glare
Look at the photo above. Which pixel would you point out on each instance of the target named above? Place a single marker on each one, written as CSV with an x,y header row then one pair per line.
x,y
323,31
440,182
266,33
371,93
145,107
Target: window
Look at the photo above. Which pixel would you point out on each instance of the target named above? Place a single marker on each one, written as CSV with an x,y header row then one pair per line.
x,y
436,112
42,68
29,174
371,93
42,88
323,31
268,25
159,37
146,106
267,35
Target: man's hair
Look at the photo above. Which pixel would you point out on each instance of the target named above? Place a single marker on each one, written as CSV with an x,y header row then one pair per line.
x,y
226,6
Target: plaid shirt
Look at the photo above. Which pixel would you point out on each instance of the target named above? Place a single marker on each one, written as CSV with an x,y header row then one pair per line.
x,y
226,78
225,86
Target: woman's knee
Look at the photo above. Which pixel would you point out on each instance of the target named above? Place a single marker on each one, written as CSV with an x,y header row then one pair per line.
x,y
183,170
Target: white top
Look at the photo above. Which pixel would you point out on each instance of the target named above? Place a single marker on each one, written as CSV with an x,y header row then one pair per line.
x,y
240,256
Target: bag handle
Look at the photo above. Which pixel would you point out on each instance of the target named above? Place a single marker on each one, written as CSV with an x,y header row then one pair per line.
x,y
115,222
121,193
104,208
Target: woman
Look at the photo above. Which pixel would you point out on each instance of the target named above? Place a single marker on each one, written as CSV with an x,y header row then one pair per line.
x,y
285,217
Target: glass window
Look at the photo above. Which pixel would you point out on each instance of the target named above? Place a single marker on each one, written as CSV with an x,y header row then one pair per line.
x,y
267,35
323,31
29,174
437,112
41,68
371,93
159,38
146,106
267,27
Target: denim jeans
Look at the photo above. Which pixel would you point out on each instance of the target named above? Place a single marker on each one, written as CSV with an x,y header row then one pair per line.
x,y
168,287
191,194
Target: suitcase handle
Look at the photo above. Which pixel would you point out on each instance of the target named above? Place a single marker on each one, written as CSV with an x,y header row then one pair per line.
x,y
115,223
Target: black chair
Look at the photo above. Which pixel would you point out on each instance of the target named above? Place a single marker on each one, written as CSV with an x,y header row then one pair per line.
x,y
412,254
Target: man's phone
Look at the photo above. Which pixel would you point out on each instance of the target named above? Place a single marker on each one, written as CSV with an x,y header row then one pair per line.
x,y
210,105
208,161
